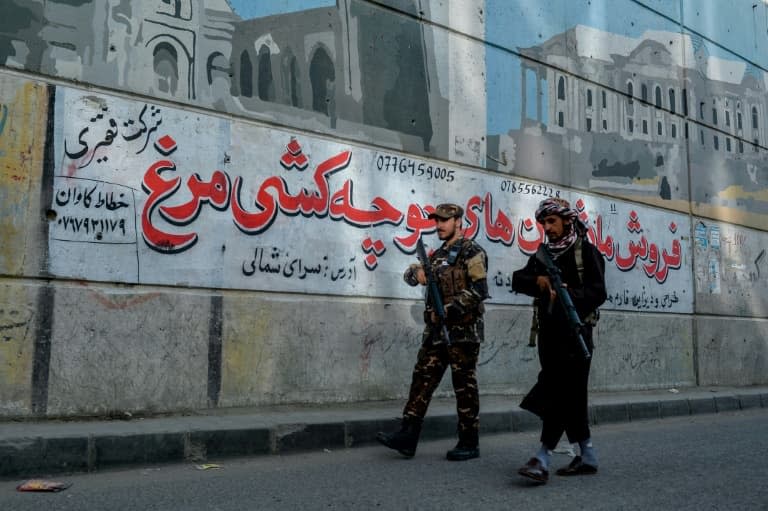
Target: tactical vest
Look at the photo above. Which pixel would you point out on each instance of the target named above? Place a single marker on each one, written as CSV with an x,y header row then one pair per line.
x,y
453,279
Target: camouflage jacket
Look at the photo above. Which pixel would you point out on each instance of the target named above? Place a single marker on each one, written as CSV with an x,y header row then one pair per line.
x,y
461,271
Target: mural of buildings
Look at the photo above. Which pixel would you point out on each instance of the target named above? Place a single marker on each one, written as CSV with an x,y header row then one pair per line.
x,y
317,66
635,104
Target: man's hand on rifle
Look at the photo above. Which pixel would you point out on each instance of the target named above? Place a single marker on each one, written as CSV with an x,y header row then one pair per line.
x,y
421,277
545,286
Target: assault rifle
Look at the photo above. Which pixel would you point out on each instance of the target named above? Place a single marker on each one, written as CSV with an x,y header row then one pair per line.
x,y
574,321
433,291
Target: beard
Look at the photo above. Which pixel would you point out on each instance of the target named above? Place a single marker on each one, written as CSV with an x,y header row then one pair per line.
x,y
555,237
445,235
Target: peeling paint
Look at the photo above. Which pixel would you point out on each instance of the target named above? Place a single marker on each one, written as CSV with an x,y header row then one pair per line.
x,y
21,149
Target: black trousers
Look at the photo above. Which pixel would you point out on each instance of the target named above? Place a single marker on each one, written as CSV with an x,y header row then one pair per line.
x,y
559,396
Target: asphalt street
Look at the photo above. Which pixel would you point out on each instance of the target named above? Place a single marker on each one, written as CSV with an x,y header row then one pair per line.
x,y
702,462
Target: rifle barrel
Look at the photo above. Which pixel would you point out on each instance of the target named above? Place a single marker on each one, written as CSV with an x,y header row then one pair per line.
x,y
564,298
433,290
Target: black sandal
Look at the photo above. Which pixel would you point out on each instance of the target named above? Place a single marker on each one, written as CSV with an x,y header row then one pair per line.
x,y
577,468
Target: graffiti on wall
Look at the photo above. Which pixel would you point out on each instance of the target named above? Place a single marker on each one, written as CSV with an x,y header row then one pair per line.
x,y
731,272
152,194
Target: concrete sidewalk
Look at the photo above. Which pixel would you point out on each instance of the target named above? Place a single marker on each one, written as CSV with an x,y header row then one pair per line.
x,y
37,448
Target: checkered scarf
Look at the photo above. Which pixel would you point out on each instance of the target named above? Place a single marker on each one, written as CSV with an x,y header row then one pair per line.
x,y
561,207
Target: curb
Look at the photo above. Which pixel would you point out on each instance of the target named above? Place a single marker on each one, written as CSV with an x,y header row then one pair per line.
x,y
32,456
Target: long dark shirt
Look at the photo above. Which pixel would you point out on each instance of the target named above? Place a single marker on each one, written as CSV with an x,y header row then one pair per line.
x,y
587,294
560,393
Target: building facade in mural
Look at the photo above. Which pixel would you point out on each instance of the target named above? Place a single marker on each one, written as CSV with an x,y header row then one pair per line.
x,y
320,65
626,109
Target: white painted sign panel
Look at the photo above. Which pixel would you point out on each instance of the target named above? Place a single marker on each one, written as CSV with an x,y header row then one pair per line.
x,y
182,199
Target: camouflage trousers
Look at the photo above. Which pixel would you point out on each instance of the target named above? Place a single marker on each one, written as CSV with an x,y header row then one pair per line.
x,y
431,363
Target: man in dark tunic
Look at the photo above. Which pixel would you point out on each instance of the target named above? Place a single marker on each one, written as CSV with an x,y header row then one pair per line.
x,y
559,397
460,267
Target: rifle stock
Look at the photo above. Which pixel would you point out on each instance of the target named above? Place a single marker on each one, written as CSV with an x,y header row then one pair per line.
x,y
574,321
433,291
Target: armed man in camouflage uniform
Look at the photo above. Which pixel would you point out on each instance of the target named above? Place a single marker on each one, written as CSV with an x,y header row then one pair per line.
x,y
460,267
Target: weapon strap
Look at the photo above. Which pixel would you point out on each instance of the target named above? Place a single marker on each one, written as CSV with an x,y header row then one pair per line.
x,y
593,316
579,259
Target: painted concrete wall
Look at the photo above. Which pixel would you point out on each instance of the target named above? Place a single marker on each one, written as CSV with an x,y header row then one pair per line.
x,y
211,202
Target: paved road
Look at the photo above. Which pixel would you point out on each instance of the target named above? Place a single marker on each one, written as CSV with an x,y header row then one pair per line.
x,y
703,462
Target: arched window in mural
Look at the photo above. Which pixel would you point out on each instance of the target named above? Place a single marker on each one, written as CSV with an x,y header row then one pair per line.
x,y
217,66
589,97
322,77
644,92
658,96
266,82
166,64
630,91
605,102
293,81
672,100
754,118
561,88
684,99
246,75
